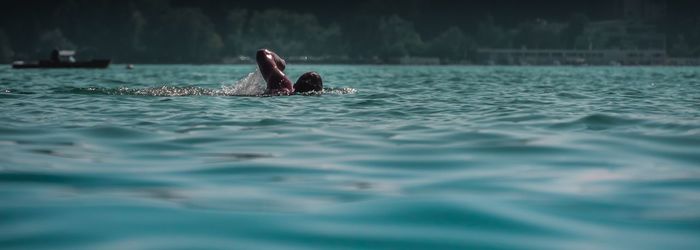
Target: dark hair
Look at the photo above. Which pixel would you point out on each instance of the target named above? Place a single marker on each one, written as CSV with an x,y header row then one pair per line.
x,y
309,81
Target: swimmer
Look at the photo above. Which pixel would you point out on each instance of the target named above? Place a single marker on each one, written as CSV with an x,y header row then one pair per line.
x,y
272,69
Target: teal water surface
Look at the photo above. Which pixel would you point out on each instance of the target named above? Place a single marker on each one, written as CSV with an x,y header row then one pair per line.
x,y
390,157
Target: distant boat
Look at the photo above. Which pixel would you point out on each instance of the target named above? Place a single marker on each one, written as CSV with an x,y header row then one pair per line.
x,y
62,59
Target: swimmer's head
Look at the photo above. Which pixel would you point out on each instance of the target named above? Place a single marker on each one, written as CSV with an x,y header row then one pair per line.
x,y
309,81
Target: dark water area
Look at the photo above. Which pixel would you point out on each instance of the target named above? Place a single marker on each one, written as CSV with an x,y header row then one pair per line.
x,y
389,157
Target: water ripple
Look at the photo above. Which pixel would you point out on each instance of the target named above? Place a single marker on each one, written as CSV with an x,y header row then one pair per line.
x,y
388,157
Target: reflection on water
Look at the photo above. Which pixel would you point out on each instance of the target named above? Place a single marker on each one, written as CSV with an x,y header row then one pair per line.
x,y
387,157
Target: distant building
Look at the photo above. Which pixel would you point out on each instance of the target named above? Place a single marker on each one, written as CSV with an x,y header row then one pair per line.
x,y
683,61
641,10
621,34
571,57
413,60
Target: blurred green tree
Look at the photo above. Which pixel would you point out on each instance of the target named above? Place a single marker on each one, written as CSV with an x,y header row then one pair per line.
x,y
398,38
234,32
537,34
451,46
291,33
54,38
185,35
574,29
6,52
490,35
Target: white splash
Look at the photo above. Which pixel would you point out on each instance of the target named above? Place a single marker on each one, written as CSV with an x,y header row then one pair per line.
x,y
251,85
339,91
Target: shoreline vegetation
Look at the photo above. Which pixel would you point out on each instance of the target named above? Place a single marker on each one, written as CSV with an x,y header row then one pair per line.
x,y
633,32
508,57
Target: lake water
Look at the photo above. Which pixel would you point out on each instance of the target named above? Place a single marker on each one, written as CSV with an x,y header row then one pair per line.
x,y
390,157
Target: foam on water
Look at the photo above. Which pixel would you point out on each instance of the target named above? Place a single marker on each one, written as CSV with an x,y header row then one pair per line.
x,y
251,85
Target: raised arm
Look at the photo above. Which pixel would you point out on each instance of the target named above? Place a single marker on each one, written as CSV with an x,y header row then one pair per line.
x,y
281,64
271,67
